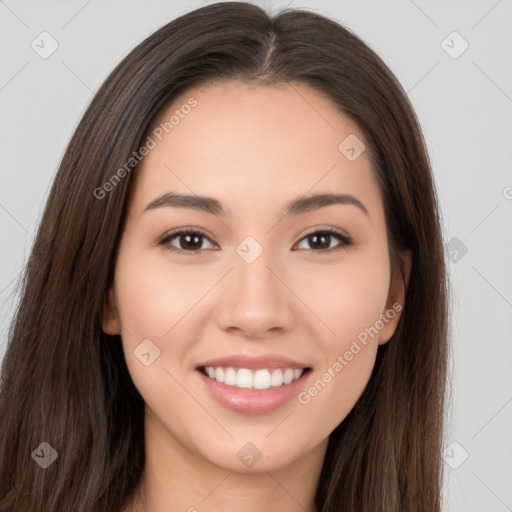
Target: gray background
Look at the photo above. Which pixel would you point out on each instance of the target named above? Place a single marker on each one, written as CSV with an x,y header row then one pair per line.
x,y
464,105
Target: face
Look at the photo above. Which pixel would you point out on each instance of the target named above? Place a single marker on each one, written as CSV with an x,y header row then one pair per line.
x,y
251,321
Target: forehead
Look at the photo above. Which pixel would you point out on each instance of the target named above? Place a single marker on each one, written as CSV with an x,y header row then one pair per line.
x,y
246,143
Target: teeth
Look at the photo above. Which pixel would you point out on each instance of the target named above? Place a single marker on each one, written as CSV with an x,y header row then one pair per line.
x,y
230,377
244,378
249,379
261,379
288,376
219,374
277,378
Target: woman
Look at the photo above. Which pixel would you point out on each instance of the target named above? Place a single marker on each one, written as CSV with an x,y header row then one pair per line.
x,y
236,297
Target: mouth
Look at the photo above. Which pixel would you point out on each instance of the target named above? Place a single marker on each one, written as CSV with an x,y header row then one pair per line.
x,y
253,385
250,379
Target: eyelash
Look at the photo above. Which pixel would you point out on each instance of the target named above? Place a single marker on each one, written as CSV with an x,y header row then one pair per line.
x,y
165,239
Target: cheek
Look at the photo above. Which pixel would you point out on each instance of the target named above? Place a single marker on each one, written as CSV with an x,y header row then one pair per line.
x,y
154,295
349,301
153,301
334,392
346,363
161,302
347,298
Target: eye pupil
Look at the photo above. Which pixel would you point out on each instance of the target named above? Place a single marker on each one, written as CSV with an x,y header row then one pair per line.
x,y
317,236
188,237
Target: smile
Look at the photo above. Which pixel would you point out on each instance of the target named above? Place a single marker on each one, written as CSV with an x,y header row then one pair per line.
x,y
250,384
245,378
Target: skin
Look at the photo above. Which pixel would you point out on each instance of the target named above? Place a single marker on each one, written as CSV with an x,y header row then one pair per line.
x,y
255,149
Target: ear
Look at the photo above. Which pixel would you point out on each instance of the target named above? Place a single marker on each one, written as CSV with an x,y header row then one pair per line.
x,y
110,323
396,297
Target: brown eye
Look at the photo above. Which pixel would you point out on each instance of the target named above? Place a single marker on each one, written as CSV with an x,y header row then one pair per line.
x,y
192,241
321,240
186,241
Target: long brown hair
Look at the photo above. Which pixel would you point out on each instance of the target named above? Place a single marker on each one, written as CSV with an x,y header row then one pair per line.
x,y
66,383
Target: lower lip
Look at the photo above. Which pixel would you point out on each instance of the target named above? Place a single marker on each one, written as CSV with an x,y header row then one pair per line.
x,y
251,401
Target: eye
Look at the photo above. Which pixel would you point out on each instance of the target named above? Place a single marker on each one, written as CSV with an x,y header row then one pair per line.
x,y
189,241
321,239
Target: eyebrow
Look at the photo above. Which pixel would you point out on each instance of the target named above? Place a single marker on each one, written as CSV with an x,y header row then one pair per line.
x,y
213,206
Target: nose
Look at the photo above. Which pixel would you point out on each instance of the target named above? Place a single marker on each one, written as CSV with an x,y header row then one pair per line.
x,y
256,302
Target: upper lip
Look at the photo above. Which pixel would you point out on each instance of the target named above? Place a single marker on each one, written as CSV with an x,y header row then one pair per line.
x,y
254,362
